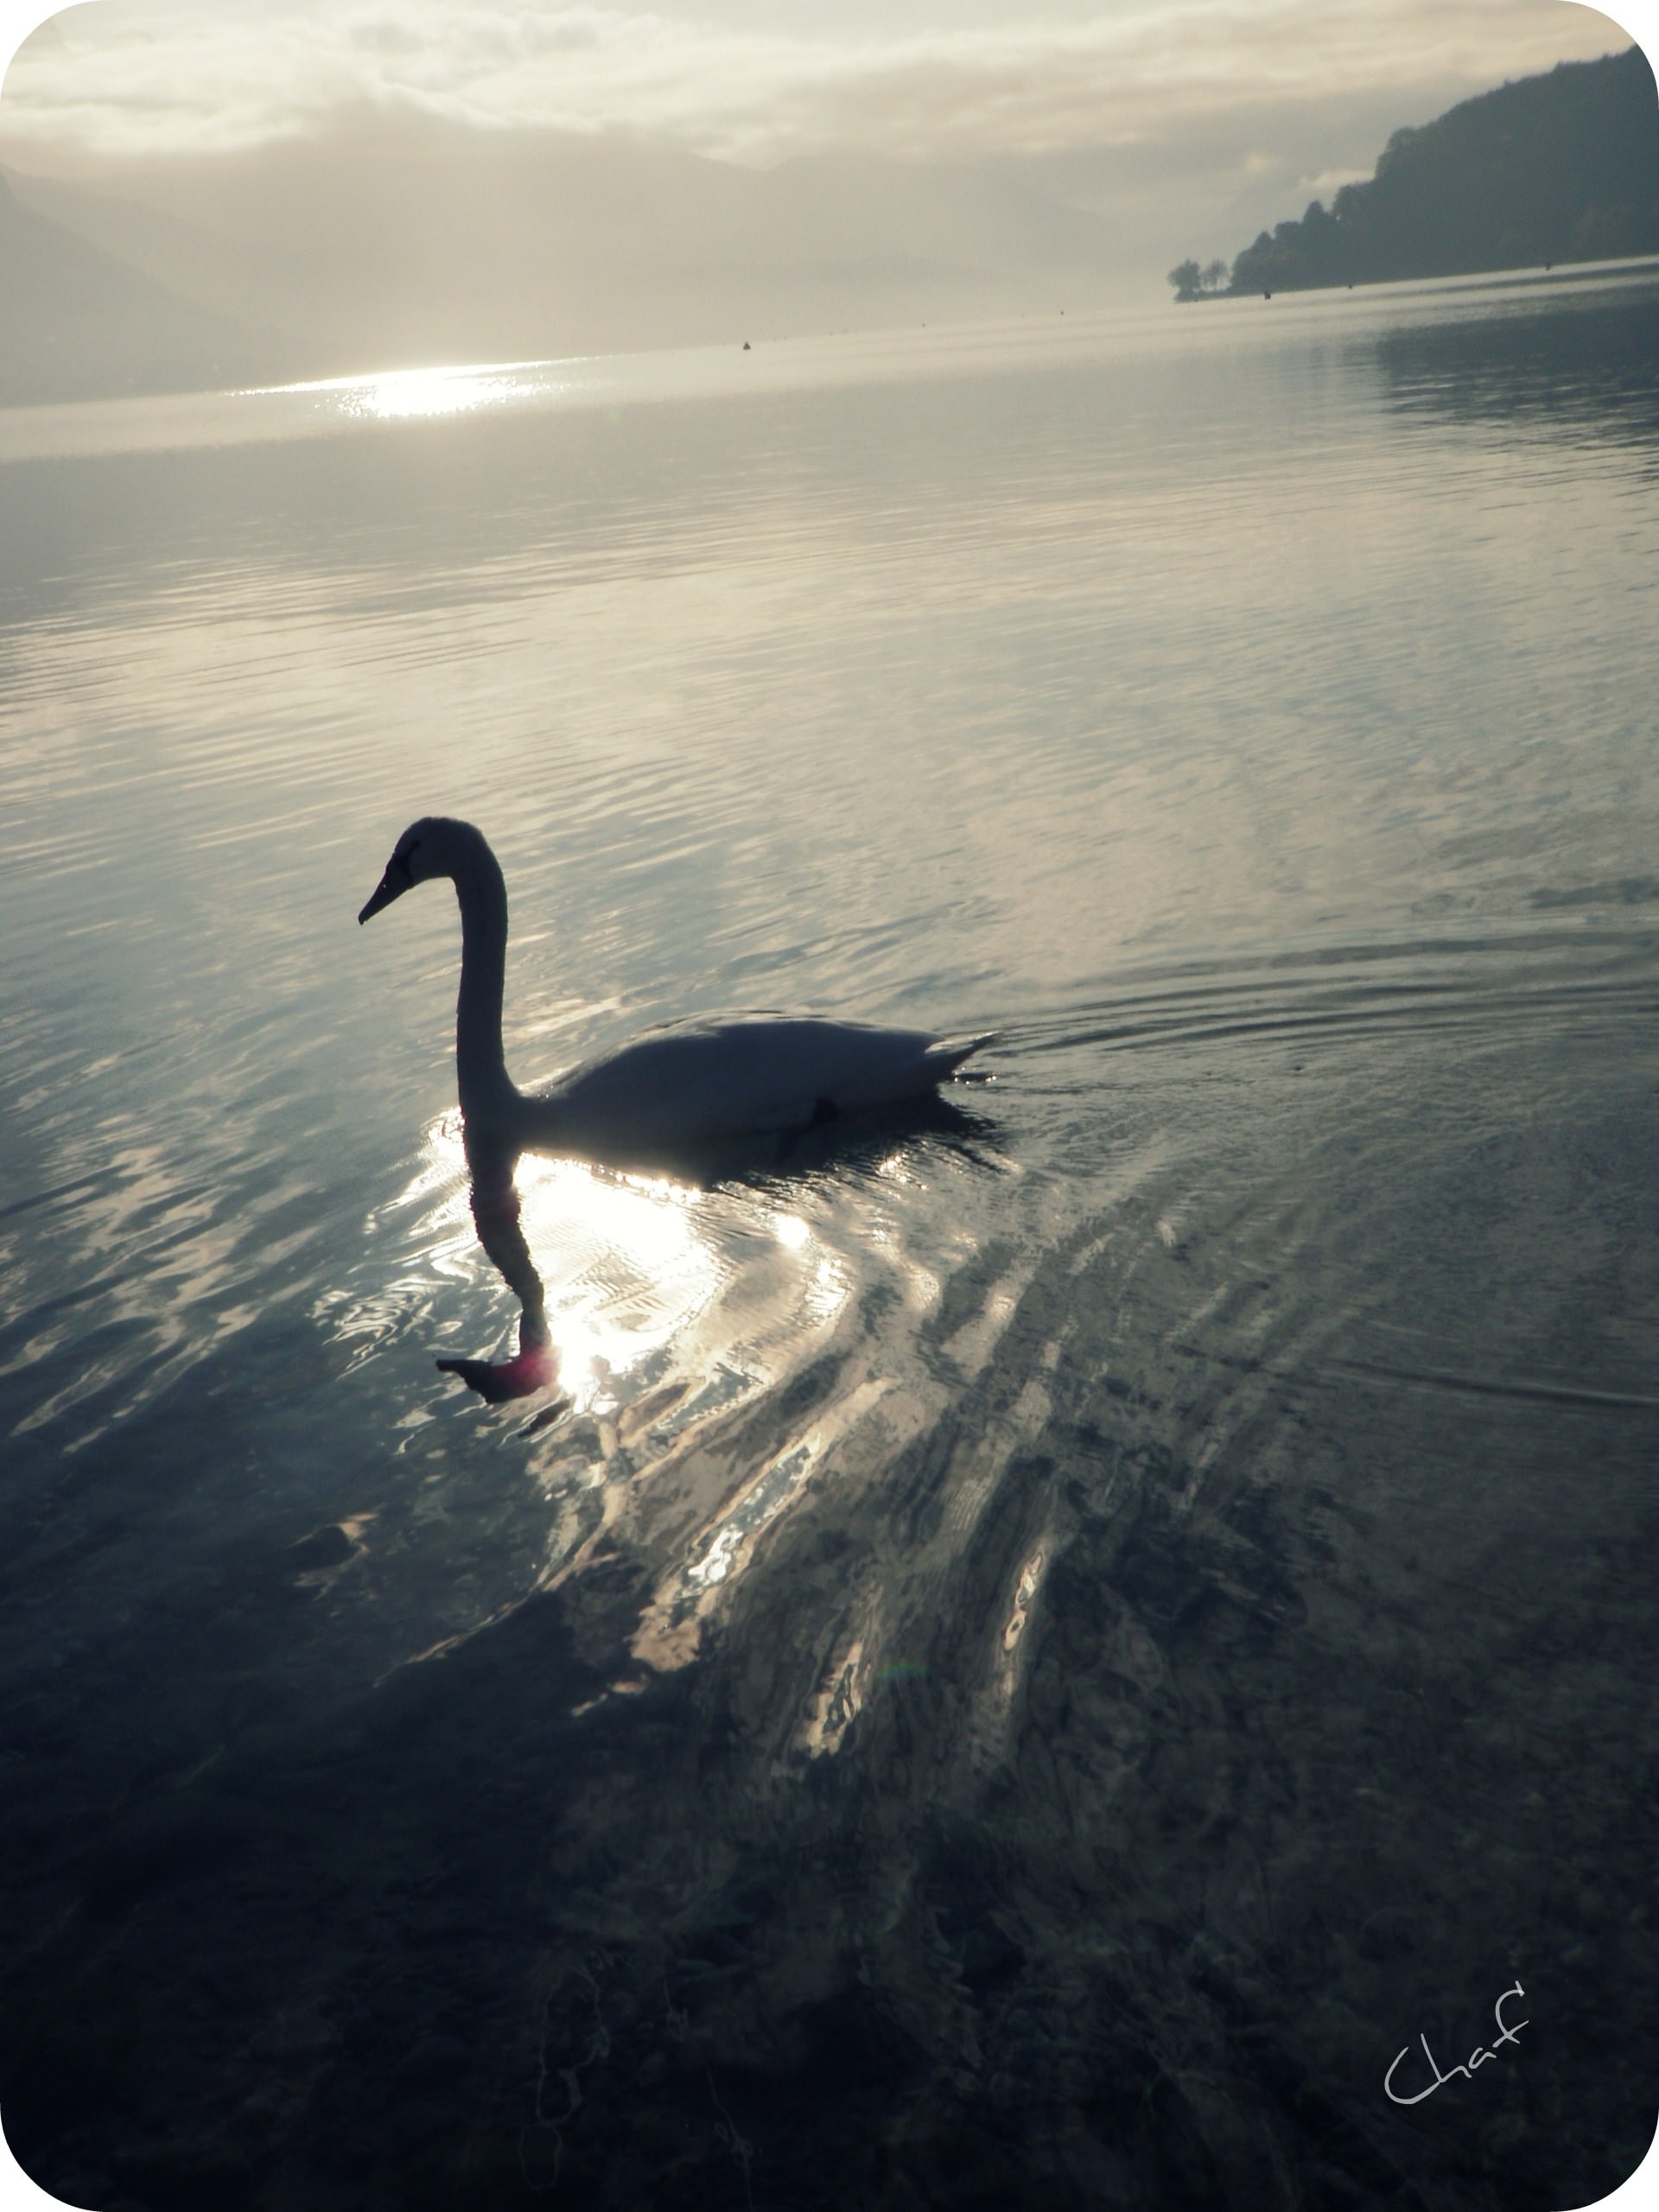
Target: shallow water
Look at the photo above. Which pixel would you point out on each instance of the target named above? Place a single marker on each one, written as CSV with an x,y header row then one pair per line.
x,y
1051,1640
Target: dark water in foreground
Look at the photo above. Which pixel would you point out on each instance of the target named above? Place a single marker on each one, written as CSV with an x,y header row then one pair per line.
x,y
1054,1641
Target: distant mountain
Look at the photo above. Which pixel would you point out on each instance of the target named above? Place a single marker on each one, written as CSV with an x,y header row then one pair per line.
x,y
77,323
1558,167
390,241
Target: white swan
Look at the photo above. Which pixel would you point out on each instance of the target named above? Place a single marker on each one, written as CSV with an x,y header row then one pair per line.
x,y
698,1084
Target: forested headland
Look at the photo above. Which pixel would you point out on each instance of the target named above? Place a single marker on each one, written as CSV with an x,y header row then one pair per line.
x,y
1563,166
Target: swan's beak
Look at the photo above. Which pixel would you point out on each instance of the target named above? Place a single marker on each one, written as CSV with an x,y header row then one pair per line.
x,y
393,885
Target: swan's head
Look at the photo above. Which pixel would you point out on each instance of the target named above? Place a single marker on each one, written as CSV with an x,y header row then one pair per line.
x,y
433,846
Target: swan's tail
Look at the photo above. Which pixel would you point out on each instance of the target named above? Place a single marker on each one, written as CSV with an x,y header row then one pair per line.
x,y
943,1060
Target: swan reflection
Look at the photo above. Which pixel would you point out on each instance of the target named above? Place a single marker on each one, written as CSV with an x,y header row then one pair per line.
x,y
624,1263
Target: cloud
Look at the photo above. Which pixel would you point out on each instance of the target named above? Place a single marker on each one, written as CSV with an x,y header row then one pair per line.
x,y
1327,183
940,81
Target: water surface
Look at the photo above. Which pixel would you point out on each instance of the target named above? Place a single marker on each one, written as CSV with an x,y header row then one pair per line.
x,y
1050,1641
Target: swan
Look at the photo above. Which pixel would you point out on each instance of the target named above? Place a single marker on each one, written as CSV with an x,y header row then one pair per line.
x,y
693,1084
687,1095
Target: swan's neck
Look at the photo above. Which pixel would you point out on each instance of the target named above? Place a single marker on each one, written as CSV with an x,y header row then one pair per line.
x,y
488,1093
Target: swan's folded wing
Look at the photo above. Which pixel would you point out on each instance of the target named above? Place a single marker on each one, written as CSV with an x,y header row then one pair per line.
x,y
763,1075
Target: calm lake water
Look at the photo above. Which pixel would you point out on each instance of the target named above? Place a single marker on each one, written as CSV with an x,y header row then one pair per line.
x,y
1052,1643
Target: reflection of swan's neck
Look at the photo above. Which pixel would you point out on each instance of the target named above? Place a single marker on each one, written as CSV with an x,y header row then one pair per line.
x,y
488,1097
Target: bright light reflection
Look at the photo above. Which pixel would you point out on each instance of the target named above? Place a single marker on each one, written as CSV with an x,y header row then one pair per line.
x,y
393,394
429,391
624,1259
635,1266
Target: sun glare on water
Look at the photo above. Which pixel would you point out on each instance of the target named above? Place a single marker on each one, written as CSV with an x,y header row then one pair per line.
x,y
670,1308
393,395
629,1263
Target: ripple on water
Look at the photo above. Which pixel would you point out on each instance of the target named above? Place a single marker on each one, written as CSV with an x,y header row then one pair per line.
x,y
1064,1628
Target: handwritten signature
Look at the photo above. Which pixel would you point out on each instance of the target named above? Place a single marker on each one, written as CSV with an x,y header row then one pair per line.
x,y
1479,2057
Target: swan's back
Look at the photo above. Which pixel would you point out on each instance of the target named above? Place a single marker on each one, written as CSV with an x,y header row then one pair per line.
x,y
759,1076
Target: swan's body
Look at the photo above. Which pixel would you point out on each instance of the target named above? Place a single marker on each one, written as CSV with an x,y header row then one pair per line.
x,y
676,1089
708,1083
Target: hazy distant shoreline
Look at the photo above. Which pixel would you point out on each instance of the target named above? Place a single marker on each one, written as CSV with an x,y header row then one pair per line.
x,y
311,260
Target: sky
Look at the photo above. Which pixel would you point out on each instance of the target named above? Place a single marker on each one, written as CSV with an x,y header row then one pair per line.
x,y
756,81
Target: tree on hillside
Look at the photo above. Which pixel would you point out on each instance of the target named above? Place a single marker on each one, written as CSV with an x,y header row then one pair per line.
x,y
1186,277
1193,283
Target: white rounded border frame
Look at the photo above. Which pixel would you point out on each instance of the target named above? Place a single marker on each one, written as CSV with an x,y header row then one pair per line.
x,y
1639,20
